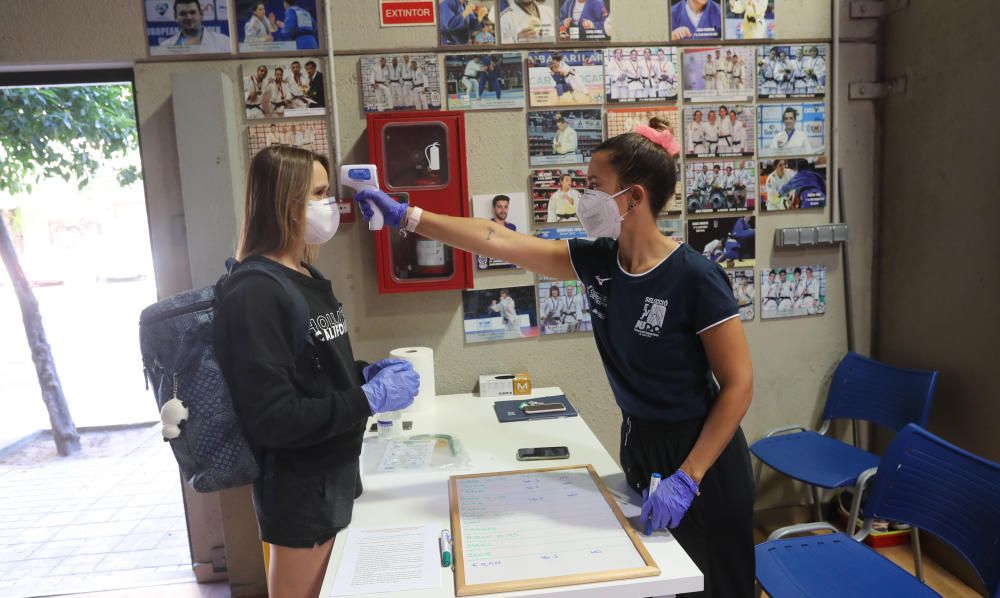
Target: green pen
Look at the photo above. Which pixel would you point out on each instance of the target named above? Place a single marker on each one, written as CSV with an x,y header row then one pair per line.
x,y
444,543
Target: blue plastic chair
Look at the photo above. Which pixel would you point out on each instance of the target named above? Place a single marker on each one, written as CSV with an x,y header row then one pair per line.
x,y
861,389
924,481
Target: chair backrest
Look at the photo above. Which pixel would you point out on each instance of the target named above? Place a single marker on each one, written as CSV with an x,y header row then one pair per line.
x,y
947,491
865,389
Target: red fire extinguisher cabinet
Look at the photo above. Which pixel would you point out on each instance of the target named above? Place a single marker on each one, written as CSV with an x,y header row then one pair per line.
x,y
420,157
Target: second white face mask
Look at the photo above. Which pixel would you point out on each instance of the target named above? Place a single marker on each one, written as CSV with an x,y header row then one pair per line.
x,y
322,220
599,215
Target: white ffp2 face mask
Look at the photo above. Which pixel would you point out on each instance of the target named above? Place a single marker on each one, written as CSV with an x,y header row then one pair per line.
x,y
599,215
322,220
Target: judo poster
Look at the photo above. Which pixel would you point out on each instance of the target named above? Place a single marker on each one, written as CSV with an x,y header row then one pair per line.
x,y
400,82
750,19
484,81
563,136
719,74
563,307
584,20
268,26
727,241
499,314
641,74
555,194
714,131
792,292
695,20
673,228
791,71
791,129
176,27
469,23
625,120
566,78
743,291
507,209
307,134
792,184
286,87
527,22
724,186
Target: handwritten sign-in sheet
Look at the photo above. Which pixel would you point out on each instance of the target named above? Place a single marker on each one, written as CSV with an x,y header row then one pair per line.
x,y
537,525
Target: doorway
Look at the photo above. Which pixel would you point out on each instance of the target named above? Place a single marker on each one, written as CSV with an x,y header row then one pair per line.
x,y
110,515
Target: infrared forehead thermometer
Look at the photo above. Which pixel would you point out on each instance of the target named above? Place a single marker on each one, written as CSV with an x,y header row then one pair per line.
x,y
363,176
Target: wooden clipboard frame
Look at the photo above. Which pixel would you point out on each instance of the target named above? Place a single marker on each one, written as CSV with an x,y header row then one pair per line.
x,y
464,589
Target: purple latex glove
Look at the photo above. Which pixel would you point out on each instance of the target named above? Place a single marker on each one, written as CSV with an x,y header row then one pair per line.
x,y
392,388
670,501
374,368
392,211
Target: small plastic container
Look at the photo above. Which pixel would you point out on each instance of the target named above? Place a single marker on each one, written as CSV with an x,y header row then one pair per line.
x,y
389,424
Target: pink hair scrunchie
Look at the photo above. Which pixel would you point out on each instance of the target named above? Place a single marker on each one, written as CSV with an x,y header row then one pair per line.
x,y
664,139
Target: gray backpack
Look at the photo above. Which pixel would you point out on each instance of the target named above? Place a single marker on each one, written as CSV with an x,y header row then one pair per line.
x,y
176,338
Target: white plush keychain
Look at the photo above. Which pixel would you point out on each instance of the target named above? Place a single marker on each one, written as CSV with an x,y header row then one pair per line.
x,y
172,414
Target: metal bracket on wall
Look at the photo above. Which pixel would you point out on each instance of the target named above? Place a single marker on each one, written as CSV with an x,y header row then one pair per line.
x,y
872,90
876,9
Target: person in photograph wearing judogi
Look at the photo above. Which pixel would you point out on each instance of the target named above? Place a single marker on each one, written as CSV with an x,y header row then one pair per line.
x,y
380,85
255,93
550,310
770,293
814,68
696,135
420,83
459,20
666,75
527,21
279,93
710,133
754,26
695,19
708,73
565,140
791,139
738,141
562,203
617,76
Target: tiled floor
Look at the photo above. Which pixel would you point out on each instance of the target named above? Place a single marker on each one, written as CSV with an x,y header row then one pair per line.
x,y
99,520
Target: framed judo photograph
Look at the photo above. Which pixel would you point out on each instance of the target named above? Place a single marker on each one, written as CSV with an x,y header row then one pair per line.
x,y
563,307
584,20
727,241
527,22
566,78
307,134
744,291
177,28
791,129
792,291
791,71
625,120
509,209
750,19
693,20
400,82
563,136
792,184
484,81
464,23
719,74
641,74
723,186
718,130
671,227
283,87
555,194
277,25
499,314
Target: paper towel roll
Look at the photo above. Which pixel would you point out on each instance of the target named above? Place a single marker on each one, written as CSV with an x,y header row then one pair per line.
x,y
422,359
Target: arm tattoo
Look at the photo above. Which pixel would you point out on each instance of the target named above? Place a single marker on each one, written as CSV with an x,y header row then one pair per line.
x,y
489,233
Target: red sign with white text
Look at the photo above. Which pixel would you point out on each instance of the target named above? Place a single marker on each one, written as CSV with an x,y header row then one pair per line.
x,y
402,12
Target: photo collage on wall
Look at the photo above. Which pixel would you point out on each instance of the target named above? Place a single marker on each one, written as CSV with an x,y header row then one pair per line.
x,y
750,119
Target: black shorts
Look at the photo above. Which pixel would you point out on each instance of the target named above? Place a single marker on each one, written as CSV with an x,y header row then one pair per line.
x,y
717,531
302,510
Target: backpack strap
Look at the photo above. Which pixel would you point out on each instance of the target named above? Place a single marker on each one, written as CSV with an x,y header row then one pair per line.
x,y
300,310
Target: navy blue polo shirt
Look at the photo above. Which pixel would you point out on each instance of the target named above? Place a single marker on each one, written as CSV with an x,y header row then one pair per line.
x,y
647,326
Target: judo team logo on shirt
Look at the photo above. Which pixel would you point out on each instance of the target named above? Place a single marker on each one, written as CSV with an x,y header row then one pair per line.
x,y
328,326
651,321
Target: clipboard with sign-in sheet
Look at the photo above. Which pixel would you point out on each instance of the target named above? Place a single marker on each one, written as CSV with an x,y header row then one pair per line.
x,y
540,528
